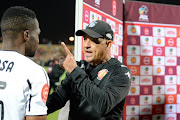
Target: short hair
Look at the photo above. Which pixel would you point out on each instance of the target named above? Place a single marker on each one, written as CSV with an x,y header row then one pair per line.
x,y
17,19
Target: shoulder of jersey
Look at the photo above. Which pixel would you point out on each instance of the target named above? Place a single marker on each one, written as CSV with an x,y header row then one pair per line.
x,y
23,60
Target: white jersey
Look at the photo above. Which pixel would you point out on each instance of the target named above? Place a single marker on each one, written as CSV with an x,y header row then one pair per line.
x,y
24,87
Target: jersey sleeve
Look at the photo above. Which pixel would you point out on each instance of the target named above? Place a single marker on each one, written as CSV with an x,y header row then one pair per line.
x,y
38,83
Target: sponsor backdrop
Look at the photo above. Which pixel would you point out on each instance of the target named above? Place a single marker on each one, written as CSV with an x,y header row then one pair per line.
x,y
151,49
152,52
109,11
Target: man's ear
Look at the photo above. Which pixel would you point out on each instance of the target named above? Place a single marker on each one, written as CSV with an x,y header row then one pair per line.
x,y
26,35
109,44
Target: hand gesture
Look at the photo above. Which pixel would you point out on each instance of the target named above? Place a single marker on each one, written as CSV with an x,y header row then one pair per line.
x,y
69,63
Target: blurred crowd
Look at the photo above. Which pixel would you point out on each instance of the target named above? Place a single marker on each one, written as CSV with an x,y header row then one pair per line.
x,y
47,53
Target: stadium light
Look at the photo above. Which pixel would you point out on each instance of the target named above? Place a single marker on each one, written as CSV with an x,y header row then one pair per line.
x,y
71,38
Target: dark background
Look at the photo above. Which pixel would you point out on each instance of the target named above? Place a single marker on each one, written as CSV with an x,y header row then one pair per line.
x,y
57,17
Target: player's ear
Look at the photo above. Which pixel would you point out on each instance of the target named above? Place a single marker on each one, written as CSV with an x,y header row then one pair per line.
x,y
26,35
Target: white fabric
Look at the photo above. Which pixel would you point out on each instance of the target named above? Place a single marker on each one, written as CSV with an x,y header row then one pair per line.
x,y
16,95
64,112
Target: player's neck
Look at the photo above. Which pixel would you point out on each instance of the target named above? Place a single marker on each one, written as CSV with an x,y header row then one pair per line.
x,y
11,46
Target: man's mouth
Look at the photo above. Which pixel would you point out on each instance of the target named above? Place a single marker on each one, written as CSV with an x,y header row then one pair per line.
x,y
88,53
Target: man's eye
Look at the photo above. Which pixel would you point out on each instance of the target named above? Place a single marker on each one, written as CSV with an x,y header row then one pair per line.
x,y
85,38
95,40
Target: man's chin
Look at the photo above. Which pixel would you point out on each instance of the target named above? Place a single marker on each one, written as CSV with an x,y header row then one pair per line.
x,y
87,59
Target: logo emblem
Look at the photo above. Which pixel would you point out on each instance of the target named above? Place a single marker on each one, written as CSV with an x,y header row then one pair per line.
x,y
102,73
45,92
143,10
108,35
92,24
143,13
114,7
97,2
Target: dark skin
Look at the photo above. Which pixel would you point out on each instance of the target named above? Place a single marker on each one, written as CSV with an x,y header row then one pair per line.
x,y
36,117
26,44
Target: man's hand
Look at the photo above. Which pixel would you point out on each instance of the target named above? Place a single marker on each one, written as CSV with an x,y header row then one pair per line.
x,y
69,63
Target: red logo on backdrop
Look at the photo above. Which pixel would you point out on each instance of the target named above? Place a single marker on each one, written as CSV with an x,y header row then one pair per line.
x,y
170,90
132,119
170,42
133,60
146,110
171,32
170,70
45,92
171,61
146,60
132,100
158,70
146,80
159,109
158,51
158,80
170,118
170,99
86,15
146,31
117,28
133,30
114,7
133,70
145,118
113,26
133,40
146,51
158,41
178,89
133,89
146,90
158,99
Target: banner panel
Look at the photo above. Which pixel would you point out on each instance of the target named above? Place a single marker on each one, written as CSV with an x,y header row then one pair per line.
x,y
152,52
111,7
109,11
